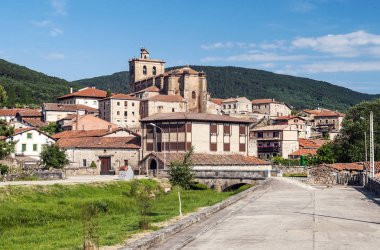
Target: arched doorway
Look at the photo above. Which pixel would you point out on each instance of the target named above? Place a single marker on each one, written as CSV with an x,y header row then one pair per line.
x,y
153,167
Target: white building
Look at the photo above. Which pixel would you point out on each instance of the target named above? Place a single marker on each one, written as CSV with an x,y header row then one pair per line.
x,y
270,107
86,96
238,105
53,112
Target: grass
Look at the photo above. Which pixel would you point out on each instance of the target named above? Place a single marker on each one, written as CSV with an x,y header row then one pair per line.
x,y
295,175
49,217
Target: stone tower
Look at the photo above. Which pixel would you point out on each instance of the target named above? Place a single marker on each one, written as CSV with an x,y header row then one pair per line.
x,y
143,68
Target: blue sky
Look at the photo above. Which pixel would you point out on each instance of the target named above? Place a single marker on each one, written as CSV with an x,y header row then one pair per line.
x,y
332,40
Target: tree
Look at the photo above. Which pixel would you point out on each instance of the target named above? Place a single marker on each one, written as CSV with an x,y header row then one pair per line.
x,y
325,154
5,147
181,174
3,96
51,129
144,191
53,156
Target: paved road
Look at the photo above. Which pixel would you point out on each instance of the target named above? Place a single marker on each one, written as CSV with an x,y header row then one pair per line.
x,y
288,215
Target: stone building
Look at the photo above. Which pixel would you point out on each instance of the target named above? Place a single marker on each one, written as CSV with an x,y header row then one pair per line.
x,y
296,123
160,104
238,105
270,107
186,82
86,96
121,109
53,112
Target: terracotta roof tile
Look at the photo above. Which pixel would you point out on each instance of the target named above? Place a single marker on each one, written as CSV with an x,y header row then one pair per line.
x,y
35,122
166,98
288,117
217,101
149,89
30,113
213,159
311,143
193,117
89,133
329,114
101,142
10,112
88,92
304,151
122,96
262,101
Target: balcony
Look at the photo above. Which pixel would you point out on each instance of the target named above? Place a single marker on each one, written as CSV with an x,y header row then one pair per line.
x,y
269,149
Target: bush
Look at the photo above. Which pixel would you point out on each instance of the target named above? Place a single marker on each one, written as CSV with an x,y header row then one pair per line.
x,y
243,188
278,160
93,165
295,175
198,186
3,169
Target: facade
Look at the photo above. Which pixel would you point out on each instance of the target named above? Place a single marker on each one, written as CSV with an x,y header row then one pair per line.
x,y
212,134
9,115
122,110
84,122
275,140
147,92
238,105
328,121
307,147
86,96
53,112
108,153
29,142
160,104
270,107
214,106
186,82
295,123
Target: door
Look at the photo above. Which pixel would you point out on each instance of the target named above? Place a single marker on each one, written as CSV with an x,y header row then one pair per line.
x,y
105,165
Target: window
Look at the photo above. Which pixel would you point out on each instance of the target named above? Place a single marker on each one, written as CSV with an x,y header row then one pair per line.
x,y
260,135
234,106
242,130
125,162
213,128
226,146
125,103
118,112
133,113
84,163
213,146
149,146
118,103
23,146
173,110
144,70
229,106
226,129
34,147
133,104
193,95
29,135
125,113
154,70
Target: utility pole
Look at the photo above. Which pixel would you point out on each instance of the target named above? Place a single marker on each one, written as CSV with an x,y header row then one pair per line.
x,y
372,146
366,157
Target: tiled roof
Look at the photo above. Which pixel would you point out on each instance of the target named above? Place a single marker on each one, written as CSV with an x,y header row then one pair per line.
x,y
288,117
347,166
101,142
271,127
305,151
193,117
89,133
237,99
23,130
166,98
217,101
311,143
67,107
149,89
10,112
88,92
315,111
262,101
30,113
213,159
329,114
122,96
35,122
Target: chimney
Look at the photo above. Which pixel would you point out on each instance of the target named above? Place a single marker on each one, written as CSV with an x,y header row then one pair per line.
x,y
71,90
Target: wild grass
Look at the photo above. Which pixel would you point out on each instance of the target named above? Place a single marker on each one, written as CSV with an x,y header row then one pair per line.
x,y
49,217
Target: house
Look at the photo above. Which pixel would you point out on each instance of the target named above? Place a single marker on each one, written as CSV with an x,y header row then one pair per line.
x,y
147,92
31,118
29,142
270,107
186,82
110,132
214,106
121,109
160,104
53,112
296,123
238,105
86,96
84,122
108,153
275,140
329,121
9,115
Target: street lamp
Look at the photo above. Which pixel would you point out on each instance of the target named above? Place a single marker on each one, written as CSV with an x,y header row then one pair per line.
x,y
162,133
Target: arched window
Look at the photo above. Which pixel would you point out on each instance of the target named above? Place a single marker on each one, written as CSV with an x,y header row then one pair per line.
x,y
154,70
193,95
144,70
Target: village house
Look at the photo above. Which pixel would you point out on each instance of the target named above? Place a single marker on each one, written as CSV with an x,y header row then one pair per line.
x,y
186,82
295,123
108,154
147,92
84,122
121,109
270,107
238,105
53,112
329,121
86,96
214,106
160,104
9,115
275,140
307,147
29,142
109,132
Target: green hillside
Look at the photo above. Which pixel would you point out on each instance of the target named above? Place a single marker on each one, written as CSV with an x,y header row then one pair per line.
x,y
26,86
226,82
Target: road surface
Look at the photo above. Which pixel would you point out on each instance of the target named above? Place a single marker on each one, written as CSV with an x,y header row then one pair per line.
x,y
288,215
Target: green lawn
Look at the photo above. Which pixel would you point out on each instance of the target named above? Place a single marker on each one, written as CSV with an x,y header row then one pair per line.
x,y
49,217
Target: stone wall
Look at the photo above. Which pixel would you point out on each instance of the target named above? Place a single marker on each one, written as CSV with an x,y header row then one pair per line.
x,y
291,169
81,171
373,185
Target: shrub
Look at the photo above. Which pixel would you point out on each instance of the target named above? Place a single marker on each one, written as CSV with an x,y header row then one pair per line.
x,y
198,186
3,169
52,156
93,165
243,188
295,175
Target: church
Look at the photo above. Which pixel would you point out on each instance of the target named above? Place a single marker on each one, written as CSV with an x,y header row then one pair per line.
x,y
186,82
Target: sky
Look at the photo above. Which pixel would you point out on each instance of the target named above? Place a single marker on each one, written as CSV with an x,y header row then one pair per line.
x,y
337,41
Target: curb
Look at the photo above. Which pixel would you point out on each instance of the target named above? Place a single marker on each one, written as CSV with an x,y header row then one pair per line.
x,y
159,236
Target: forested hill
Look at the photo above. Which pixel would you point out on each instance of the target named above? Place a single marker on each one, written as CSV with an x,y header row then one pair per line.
x,y
26,86
226,82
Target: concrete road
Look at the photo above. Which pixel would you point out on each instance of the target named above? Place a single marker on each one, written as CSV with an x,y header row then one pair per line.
x,y
288,215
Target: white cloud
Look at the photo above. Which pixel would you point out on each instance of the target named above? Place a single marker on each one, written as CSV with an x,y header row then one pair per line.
x,y
345,45
56,32
256,57
54,56
59,7
227,45
277,44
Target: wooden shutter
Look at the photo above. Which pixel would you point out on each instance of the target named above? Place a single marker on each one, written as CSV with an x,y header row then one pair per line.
x,y
242,147
226,147
242,130
226,129
213,146
213,128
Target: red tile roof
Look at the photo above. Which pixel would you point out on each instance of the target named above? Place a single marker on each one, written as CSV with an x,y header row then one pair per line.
x,y
67,107
89,133
262,101
288,117
311,143
35,122
329,114
185,116
304,151
30,113
10,112
122,96
166,98
101,142
149,89
217,101
213,159
87,92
